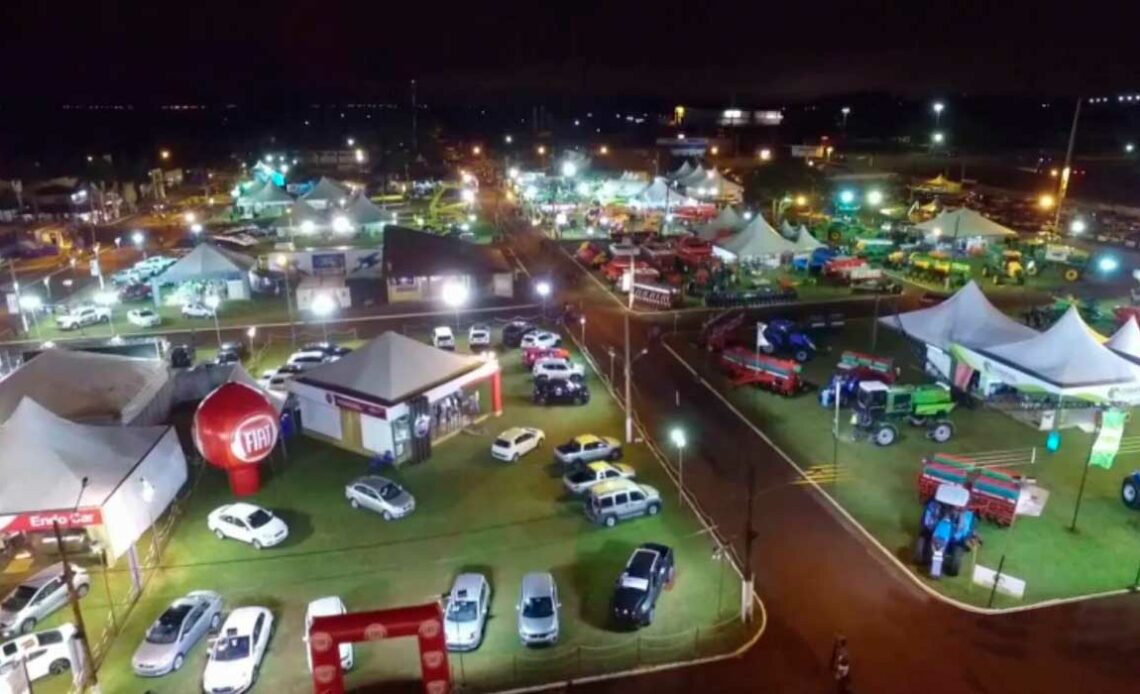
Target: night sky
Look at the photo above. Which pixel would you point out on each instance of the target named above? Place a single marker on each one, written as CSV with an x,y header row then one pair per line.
x,y
690,50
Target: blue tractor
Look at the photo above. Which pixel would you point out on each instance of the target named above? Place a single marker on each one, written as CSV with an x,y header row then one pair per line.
x,y
947,531
1130,490
783,336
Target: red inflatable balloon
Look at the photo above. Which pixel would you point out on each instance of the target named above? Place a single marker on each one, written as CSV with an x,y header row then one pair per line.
x,y
235,428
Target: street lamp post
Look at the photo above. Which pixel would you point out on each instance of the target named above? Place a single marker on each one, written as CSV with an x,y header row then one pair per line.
x,y
323,306
543,289
212,303
677,435
109,298
455,294
31,303
140,242
582,322
251,333
938,107
846,111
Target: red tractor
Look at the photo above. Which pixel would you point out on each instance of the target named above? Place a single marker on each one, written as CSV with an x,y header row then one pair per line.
x,y
746,367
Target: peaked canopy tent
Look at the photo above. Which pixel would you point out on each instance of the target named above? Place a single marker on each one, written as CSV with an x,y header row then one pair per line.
x,y
365,215
659,195
713,185
726,222
694,177
1126,341
113,481
963,223
805,242
1065,360
393,395
326,193
299,213
967,318
938,184
264,200
227,273
90,387
756,241
682,171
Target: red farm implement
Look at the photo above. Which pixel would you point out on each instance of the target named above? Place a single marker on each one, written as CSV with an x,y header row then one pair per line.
x,y
993,491
746,368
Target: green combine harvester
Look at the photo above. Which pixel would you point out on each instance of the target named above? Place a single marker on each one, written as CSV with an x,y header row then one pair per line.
x,y
880,408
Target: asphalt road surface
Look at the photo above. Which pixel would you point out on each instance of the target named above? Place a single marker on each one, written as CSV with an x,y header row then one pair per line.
x,y
818,577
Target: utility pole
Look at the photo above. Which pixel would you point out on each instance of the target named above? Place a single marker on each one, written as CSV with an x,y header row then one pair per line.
x,y
90,677
749,535
415,141
628,385
1067,169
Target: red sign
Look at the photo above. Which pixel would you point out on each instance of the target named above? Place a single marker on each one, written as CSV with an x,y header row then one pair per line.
x,y
42,520
254,437
361,407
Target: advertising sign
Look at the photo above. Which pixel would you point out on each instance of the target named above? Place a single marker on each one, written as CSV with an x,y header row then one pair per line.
x,y
40,521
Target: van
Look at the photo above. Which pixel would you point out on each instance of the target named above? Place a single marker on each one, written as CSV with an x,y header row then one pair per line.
x,y
616,500
443,338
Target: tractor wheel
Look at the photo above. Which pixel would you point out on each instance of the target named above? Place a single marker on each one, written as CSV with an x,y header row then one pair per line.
x,y
953,562
886,434
921,551
835,236
863,419
1130,493
802,355
1072,274
1032,270
941,431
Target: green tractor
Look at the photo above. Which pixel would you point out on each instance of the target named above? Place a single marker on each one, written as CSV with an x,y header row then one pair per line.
x,y
874,250
1069,261
1004,265
879,408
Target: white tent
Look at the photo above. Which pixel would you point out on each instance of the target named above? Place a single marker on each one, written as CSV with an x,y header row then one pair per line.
x,y
963,223
1064,360
787,230
805,241
727,220
206,262
364,213
1126,341
326,193
684,170
298,213
966,318
119,478
659,195
694,177
89,387
757,240
713,185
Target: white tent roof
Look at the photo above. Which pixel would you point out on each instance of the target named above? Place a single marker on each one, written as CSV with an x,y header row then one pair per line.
x,y
727,218
967,318
363,211
206,261
267,194
327,190
50,456
1065,355
84,386
713,183
695,177
390,368
757,239
964,223
684,170
239,375
1126,340
805,241
658,194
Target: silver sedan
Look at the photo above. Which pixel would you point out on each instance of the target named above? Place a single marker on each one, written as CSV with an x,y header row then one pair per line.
x,y
175,632
381,495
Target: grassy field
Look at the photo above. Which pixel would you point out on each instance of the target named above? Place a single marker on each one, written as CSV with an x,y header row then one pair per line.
x,y
878,485
472,514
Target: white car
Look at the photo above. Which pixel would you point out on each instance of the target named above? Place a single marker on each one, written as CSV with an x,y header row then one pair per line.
x,y
307,359
278,379
144,317
44,653
37,596
247,523
465,614
516,442
84,316
558,368
479,337
197,310
326,607
126,277
381,495
443,338
541,338
236,654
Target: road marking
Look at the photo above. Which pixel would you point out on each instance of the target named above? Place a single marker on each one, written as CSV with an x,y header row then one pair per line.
x,y
910,575
825,474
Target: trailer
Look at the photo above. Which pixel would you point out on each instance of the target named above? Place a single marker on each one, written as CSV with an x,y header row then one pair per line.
x,y
745,367
716,331
883,368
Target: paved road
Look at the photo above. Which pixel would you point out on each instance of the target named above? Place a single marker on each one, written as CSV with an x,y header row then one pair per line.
x,y
817,577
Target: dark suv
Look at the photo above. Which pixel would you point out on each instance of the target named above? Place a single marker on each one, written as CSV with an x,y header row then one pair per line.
x,y
556,391
513,332
650,568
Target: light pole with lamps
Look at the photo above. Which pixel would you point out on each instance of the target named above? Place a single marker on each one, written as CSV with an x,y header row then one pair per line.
x,y
455,294
251,333
109,298
582,322
938,107
543,290
846,111
323,306
140,241
677,436
213,303
31,303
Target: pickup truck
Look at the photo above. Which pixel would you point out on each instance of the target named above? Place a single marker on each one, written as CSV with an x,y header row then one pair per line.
x,y
83,317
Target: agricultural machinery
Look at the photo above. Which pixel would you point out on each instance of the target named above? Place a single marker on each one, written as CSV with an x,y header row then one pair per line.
x,y
993,491
716,332
935,269
1070,261
879,408
1004,266
746,367
815,261
781,335
854,368
1130,490
947,531
874,250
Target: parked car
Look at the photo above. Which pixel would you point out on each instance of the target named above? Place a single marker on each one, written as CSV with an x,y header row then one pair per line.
x,y
558,369
37,597
541,338
538,610
135,292
381,495
197,310
126,277
235,656
588,448
615,500
330,349
307,360
43,653
581,479
226,356
465,614
83,316
650,568
144,317
531,355
514,331
516,442
182,356
176,631
443,338
559,392
326,607
247,523
240,347
278,379
479,337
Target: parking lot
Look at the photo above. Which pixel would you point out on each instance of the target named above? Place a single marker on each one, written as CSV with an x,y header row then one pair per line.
x,y
472,514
